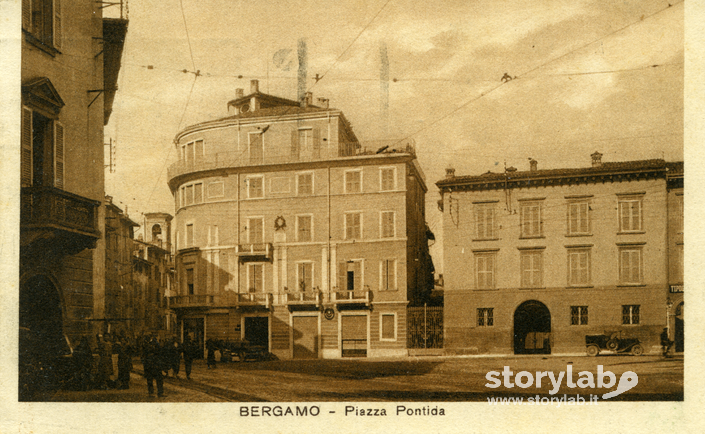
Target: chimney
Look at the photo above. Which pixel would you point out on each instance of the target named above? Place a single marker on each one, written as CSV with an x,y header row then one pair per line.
x,y
309,99
239,93
533,165
254,86
108,199
596,159
450,173
323,102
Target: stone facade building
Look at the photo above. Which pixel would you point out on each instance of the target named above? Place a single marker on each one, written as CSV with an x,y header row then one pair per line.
x,y
536,260
291,234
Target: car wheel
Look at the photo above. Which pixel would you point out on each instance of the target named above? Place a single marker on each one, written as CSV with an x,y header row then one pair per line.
x,y
612,344
592,350
637,350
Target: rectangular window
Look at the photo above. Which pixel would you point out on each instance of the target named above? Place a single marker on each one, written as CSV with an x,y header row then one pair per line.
x,y
387,177
630,266
304,276
255,277
198,151
198,193
42,154
387,230
630,218
578,218
353,226
42,19
304,228
578,315
255,230
485,317
578,267
484,270
304,184
350,275
189,153
630,314
484,221
388,327
388,275
189,281
189,195
216,189
353,181
254,187
189,235
531,224
531,268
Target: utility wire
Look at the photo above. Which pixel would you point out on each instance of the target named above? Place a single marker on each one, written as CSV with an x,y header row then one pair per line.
x,y
188,38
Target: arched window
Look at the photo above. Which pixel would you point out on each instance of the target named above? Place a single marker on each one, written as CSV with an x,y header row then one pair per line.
x,y
156,232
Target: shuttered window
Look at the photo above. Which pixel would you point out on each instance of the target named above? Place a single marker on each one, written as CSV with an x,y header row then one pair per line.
x,y
578,267
531,269
26,156
353,226
350,275
484,270
578,218
484,221
387,224
630,266
255,277
58,155
388,275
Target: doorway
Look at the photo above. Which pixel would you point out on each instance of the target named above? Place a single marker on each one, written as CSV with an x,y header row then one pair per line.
x,y
194,327
257,330
679,336
305,337
532,328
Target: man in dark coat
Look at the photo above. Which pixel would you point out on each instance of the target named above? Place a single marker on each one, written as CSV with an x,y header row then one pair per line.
x,y
124,352
211,346
174,354
189,349
153,366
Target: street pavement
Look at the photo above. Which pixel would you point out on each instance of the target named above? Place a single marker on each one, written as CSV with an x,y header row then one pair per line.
x,y
407,379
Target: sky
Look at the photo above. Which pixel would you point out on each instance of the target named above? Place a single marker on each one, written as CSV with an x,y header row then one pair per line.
x,y
602,75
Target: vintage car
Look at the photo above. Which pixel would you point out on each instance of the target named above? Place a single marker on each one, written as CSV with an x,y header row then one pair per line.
x,y
612,342
243,350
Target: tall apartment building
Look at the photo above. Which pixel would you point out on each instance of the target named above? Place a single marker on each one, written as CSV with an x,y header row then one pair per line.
x,y
292,235
70,63
536,260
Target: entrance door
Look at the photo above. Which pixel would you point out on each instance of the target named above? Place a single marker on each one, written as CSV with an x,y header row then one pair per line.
x,y
532,328
305,337
679,336
354,336
257,330
194,327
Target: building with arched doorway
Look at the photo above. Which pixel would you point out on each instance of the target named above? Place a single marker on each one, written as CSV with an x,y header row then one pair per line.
x,y
536,260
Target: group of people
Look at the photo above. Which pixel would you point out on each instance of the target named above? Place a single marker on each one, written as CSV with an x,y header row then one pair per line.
x,y
111,367
158,358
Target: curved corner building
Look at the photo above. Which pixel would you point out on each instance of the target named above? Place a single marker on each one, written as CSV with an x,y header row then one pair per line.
x,y
292,234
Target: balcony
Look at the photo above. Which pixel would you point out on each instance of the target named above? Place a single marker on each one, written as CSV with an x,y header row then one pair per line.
x,y
303,299
48,213
258,252
341,150
226,299
351,297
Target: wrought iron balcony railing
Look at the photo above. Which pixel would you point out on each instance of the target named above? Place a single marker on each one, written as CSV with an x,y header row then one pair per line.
x,y
303,298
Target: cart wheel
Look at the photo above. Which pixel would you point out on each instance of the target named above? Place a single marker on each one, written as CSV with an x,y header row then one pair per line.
x,y
612,344
592,350
637,350
241,356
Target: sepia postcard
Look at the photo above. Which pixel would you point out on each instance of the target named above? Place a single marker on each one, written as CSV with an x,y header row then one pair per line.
x,y
356,216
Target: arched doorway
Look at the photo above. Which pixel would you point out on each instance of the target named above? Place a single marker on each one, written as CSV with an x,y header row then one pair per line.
x,y
41,344
532,328
678,331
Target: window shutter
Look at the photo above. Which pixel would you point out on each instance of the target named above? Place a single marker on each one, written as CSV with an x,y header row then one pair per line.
x,y
57,24
358,275
26,156
316,142
58,155
27,15
342,276
295,144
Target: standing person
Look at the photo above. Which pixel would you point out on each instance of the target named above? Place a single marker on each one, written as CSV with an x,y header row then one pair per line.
x,y
211,347
666,343
83,359
189,349
174,356
124,364
152,359
105,363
